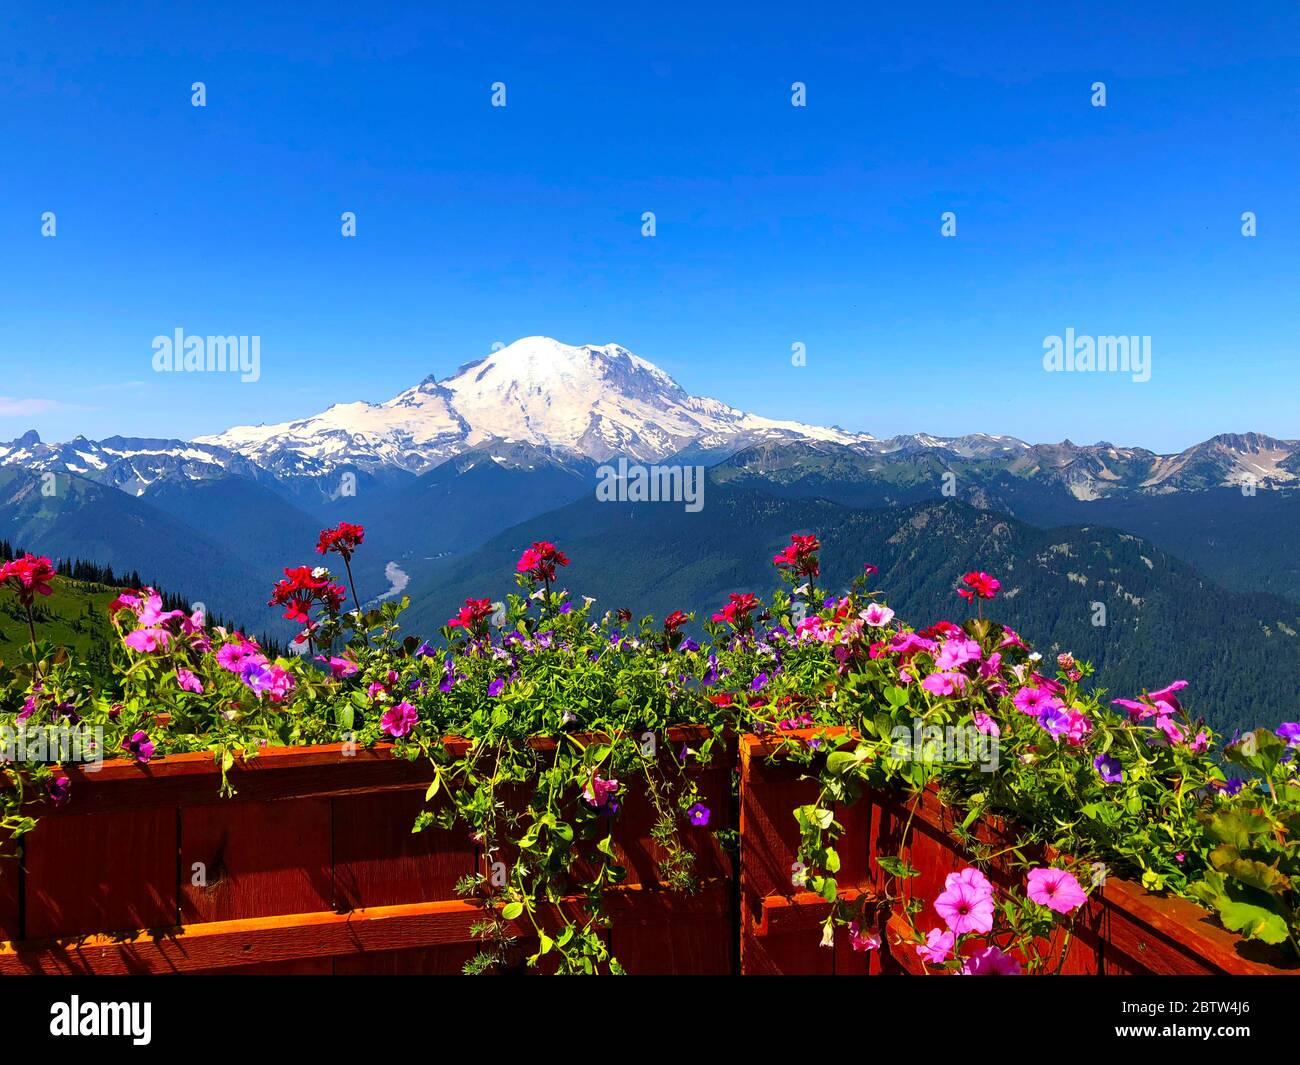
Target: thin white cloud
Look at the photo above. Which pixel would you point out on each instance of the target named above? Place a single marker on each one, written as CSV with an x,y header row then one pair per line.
x,y
13,407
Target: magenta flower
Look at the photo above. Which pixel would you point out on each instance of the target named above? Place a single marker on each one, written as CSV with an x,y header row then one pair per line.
x,y
599,793
965,908
698,814
945,683
985,724
1056,889
990,962
972,878
340,668
147,641
957,652
937,946
1166,695
861,940
188,681
1033,701
399,720
139,744
59,790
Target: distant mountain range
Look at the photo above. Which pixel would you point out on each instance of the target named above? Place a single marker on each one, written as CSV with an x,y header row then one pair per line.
x,y
603,402
511,444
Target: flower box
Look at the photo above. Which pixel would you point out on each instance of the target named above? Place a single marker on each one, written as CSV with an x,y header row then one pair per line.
x,y
311,868
1121,930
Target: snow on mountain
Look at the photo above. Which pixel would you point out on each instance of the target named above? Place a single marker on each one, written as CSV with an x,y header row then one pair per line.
x,y
548,400
128,463
598,401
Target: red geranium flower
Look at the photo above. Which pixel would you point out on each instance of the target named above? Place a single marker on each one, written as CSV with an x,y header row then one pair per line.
x,y
675,621
736,612
301,589
979,584
344,539
472,616
28,577
800,555
538,562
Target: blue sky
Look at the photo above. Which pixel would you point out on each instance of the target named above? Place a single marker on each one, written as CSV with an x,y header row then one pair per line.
x,y
775,224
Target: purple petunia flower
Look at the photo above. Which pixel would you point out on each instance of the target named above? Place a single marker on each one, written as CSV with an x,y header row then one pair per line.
x,y
710,677
139,744
1109,768
758,683
1290,731
60,791
425,650
496,688
1055,721
699,814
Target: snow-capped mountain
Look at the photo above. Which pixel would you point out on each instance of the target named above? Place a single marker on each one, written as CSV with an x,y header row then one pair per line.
x,y
128,463
597,401
539,397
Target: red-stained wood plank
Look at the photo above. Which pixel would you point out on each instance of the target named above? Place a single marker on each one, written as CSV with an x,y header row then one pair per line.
x,y
255,859
1164,935
272,773
769,794
101,873
634,842
379,861
11,923
297,967
687,935
429,961
263,941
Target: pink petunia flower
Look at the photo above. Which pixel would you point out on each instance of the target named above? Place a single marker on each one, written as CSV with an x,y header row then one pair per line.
x,y
399,720
972,878
956,653
990,962
1033,701
945,683
1056,889
937,946
877,616
965,908
863,940
188,681
147,641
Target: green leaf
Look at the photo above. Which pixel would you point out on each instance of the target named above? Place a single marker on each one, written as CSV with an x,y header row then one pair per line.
x,y
897,867
512,910
1257,874
1252,921
840,762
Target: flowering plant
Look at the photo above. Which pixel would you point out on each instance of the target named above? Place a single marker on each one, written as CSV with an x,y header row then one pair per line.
x,y
1128,782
